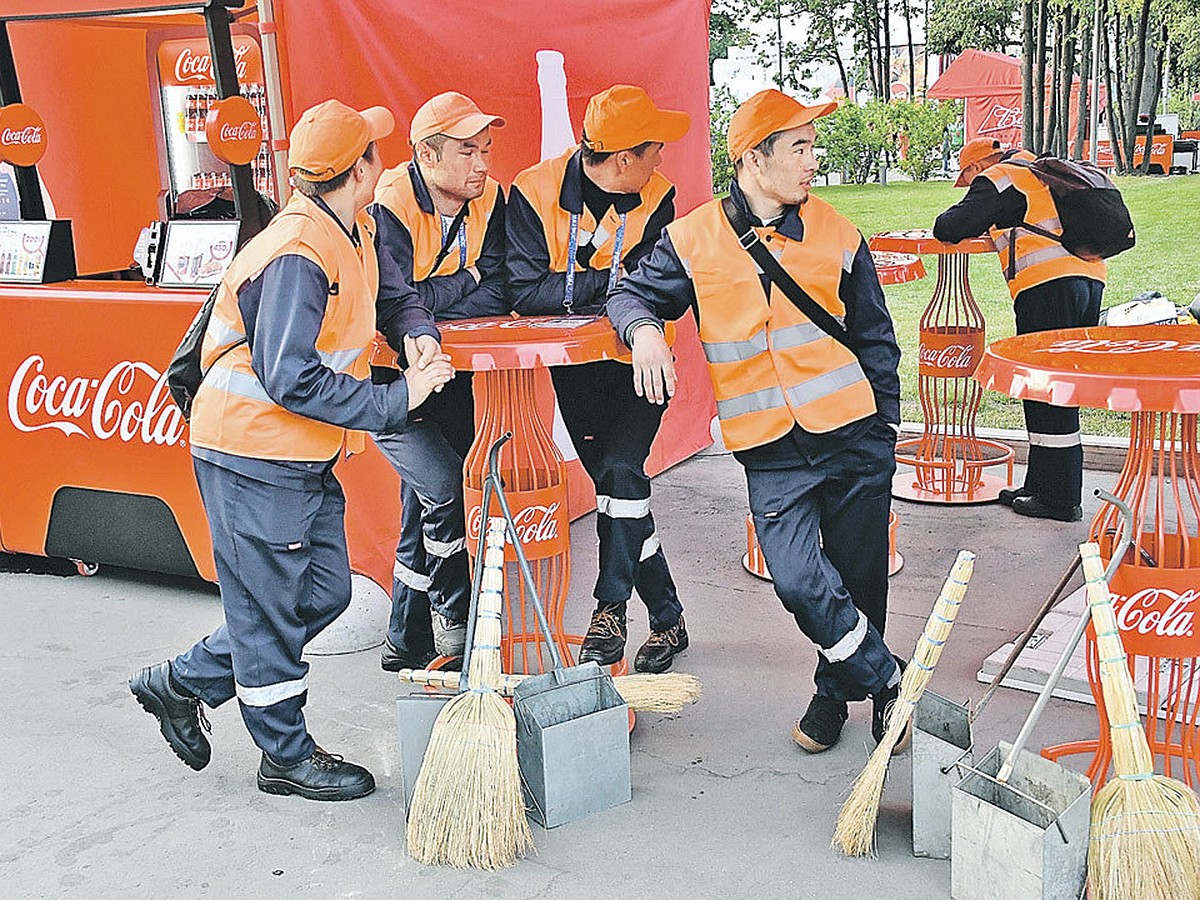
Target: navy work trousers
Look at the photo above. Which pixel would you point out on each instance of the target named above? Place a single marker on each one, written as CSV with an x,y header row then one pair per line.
x,y
1055,471
285,575
612,429
823,529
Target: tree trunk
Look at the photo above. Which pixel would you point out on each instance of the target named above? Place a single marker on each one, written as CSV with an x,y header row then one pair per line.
x,y
1039,78
1115,76
1133,106
1050,139
1159,61
1027,74
1070,19
886,43
912,58
1085,94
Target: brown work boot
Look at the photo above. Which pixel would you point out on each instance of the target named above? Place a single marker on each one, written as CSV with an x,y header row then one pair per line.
x,y
604,643
661,648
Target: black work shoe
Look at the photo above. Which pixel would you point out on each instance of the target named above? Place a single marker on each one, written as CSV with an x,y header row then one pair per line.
x,y
604,643
1008,495
1035,508
323,776
393,660
180,719
821,725
881,704
661,648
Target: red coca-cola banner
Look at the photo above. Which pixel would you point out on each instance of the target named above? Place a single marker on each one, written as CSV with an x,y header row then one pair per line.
x,y
189,63
22,135
540,517
234,130
950,352
1156,610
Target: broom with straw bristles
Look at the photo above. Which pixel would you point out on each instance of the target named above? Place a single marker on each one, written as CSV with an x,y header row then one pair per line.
x,y
1145,833
467,808
642,692
854,834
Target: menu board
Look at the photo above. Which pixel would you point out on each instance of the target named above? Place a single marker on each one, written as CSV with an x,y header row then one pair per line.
x,y
196,252
23,247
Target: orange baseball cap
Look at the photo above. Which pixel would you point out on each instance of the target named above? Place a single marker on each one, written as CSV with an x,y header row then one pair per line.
x,y
976,150
764,114
624,116
452,114
330,138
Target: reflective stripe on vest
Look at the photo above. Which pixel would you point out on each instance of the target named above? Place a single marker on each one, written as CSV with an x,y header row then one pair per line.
x,y
395,191
542,185
772,368
1038,258
233,412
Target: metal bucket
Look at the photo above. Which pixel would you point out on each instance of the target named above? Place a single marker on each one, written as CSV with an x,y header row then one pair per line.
x,y
941,742
416,713
572,744
1023,840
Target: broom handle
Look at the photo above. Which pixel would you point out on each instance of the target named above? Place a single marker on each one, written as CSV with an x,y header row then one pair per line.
x,y
523,562
1019,646
1068,651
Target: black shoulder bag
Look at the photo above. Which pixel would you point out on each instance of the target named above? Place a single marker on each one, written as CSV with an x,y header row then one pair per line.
x,y
184,372
748,238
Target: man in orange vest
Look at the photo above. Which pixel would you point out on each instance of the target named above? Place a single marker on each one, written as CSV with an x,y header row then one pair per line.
x,y
440,222
286,392
812,417
1051,288
575,225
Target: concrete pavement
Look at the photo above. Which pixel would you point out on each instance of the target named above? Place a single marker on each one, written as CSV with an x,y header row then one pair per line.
x,y
724,805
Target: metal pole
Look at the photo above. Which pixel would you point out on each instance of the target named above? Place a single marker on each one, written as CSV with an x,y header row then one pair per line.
x,y
270,48
1094,110
29,188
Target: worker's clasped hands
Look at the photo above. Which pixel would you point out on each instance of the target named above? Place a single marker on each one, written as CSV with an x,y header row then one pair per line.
x,y
428,368
653,364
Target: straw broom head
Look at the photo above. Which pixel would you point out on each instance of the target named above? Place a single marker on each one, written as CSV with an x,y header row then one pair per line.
x,y
467,808
854,834
1145,833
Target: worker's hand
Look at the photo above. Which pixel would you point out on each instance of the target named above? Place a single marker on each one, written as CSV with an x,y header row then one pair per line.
x,y
421,351
653,364
423,382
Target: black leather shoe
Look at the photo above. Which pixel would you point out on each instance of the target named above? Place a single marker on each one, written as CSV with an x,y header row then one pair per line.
x,y
661,648
323,776
1035,508
604,643
180,719
881,704
1008,495
821,725
393,660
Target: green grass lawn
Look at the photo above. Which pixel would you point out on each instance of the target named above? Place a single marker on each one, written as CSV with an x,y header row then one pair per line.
x,y
1166,259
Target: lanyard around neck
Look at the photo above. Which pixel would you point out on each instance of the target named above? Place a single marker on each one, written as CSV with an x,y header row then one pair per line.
x,y
461,236
614,269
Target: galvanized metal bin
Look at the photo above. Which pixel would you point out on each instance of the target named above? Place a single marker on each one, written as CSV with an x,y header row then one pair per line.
x,y
572,744
941,741
416,713
1024,840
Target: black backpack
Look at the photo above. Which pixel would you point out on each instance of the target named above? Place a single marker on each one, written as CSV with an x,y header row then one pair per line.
x,y
1095,220
184,373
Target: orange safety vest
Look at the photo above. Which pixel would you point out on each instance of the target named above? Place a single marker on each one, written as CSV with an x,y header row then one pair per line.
x,y
395,191
771,367
1032,259
232,412
541,186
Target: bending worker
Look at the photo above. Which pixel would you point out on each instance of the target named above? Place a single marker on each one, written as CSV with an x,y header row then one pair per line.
x,y
812,421
440,237
1051,288
575,225
287,356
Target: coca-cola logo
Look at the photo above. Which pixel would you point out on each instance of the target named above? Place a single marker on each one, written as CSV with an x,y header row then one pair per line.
x,y
1125,346
534,524
234,130
240,131
1156,611
952,356
130,402
197,67
30,134
1001,117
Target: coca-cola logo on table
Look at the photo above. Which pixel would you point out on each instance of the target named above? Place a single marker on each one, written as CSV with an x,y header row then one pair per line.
x,y
1124,345
234,130
1156,610
129,403
540,517
954,353
22,135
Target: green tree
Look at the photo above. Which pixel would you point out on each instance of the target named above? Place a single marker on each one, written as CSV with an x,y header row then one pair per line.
x,y
923,126
955,25
721,107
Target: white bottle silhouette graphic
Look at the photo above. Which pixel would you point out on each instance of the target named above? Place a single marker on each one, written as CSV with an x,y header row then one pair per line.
x,y
557,133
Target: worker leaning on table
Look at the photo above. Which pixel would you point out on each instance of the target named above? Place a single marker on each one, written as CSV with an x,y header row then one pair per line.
x,y
440,237
575,224
1051,288
288,348
813,423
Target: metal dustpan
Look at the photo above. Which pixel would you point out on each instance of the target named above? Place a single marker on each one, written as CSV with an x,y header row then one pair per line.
x,y
572,725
